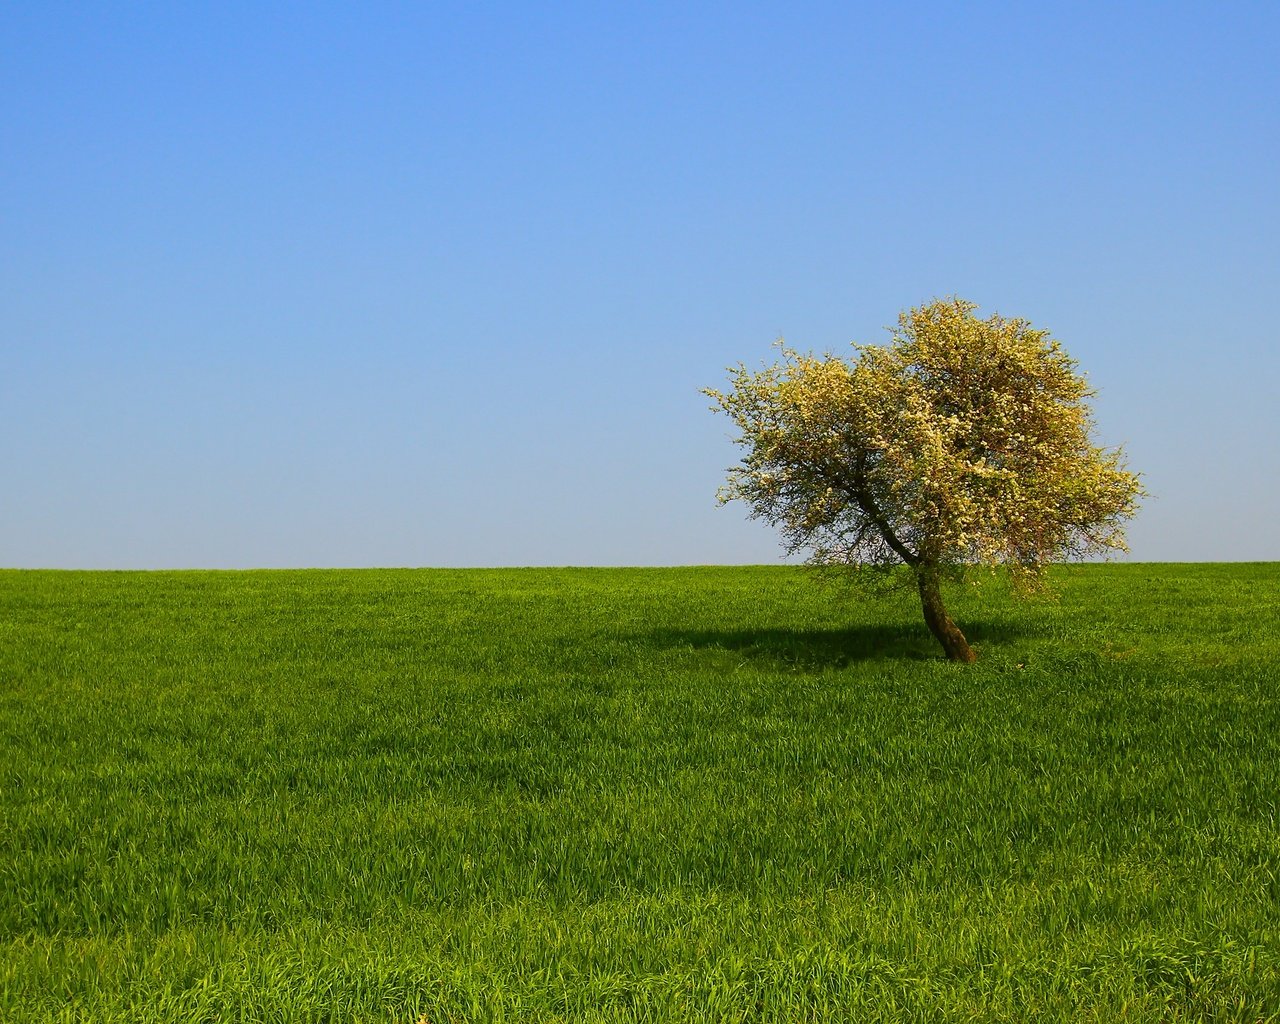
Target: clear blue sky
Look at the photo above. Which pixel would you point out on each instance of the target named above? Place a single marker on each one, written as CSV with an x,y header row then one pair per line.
x,y
437,284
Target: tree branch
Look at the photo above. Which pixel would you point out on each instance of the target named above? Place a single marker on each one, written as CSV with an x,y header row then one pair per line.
x,y
857,489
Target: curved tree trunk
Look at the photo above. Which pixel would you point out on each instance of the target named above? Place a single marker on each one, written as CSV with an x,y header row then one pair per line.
x,y
939,622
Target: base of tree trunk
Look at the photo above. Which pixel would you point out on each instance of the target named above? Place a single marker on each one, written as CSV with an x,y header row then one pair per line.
x,y
939,622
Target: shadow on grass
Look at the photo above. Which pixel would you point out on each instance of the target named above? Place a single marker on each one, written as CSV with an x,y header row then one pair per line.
x,y
822,648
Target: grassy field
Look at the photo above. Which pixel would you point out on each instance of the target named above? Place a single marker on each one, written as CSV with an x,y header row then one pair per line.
x,y
712,794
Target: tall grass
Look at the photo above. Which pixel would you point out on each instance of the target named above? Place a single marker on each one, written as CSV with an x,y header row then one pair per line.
x,y
707,794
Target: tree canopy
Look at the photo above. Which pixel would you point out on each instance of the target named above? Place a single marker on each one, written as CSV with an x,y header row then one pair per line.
x,y
963,442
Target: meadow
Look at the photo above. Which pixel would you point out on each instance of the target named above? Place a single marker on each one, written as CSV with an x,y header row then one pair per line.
x,y
703,794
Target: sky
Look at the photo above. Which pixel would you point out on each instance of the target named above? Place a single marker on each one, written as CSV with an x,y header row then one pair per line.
x,y
438,284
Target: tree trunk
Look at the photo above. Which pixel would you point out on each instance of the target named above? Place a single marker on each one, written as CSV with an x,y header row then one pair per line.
x,y
939,622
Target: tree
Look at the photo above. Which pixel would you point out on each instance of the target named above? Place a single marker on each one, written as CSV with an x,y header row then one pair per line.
x,y
964,442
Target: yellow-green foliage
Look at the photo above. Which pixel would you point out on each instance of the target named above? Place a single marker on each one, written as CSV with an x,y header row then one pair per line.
x,y
964,441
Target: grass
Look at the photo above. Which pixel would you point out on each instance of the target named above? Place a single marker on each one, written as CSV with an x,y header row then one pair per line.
x,y
712,794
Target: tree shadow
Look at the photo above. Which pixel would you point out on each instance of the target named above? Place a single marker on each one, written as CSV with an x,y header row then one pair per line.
x,y
830,648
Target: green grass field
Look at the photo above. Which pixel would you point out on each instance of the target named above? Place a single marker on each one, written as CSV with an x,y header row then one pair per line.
x,y
711,794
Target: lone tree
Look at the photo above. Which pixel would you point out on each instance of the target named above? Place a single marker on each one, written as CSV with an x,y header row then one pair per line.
x,y
963,442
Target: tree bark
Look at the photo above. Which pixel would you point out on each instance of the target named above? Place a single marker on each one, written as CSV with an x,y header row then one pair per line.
x,y
940,625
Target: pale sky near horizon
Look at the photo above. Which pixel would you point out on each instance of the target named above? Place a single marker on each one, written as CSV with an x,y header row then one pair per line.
x,y
437,284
